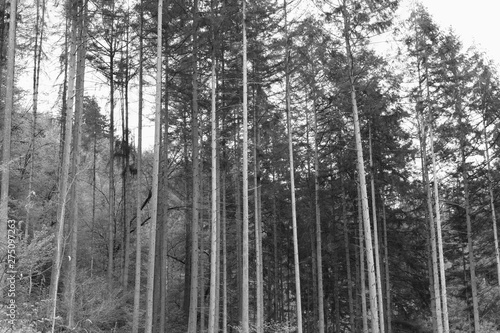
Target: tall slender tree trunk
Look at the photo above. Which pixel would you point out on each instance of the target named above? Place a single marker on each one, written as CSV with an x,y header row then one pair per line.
x,y
111,188
470,243
62,132
74,220
138,260
362,182
439,234
239,233
259,277
212,319
156,165
387,276
7,124
336,283
126,165
364,310
431,237
319,255
63,186
224,255
39,28
202,264
193,302
442,274
375,235
492,200
434,260
347,257
292,177
245,324
188,221
94,190
278,304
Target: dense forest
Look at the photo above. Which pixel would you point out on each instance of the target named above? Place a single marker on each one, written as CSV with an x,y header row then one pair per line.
x,y
245,166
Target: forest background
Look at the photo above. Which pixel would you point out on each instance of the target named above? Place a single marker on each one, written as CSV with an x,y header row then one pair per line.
x,y
266,166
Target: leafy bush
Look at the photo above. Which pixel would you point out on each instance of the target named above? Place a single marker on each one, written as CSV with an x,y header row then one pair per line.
x,y
272,327
98,308
35,256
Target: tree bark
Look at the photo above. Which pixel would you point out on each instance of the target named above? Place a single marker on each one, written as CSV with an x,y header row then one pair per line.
x,y
156,165
362,182
292,177
375,236
74,220
193,302
259,276
364,311
39,28
470,243
319,255
245,324
214,209
387,276
56,268
492,200
347,257
126,164
111,188
224,255
138,260
7,124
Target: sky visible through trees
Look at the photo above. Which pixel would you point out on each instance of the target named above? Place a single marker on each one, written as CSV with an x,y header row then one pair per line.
x,y
301,166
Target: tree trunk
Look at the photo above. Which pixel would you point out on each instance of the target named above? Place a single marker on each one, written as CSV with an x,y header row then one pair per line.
x,y
74,220
56,268
224,255
126,165
137,285
442,274
111,189
470,244
362,183
7,124
319,255
492,200
375,236
278,304
245,324
202,293
156,165
214,210
336,284
387,276
259,277
364,311
193,302
39,28
292,178
432,240
347,257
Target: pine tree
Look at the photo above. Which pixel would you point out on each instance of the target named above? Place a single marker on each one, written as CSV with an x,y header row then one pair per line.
x,y
138,260
65,164
292,177
245,320
74,220
7,124
156,166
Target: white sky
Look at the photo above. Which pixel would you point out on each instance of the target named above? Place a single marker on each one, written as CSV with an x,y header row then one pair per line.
x,y
474,21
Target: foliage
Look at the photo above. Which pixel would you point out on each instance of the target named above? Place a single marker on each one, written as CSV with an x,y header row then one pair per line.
x,y
98,308
271,327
